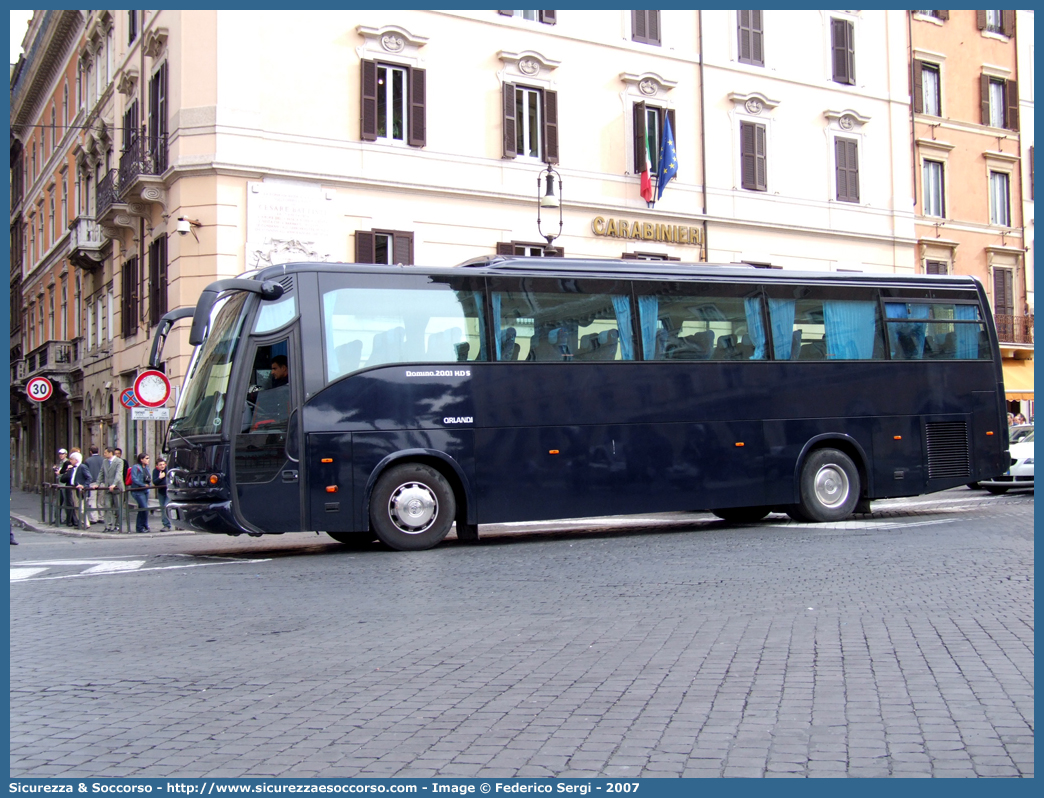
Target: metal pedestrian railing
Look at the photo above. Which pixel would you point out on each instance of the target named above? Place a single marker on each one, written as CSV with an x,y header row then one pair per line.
x,y
61,505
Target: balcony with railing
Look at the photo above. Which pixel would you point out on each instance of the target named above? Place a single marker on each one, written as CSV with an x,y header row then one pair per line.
x,y
51,358
1014,329
145,156
108,192
86,243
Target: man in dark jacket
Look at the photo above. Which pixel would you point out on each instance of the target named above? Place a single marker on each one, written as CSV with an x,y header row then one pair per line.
x,y
94,464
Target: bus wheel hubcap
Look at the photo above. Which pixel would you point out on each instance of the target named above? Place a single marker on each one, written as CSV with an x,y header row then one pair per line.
x,y
831,486
413,508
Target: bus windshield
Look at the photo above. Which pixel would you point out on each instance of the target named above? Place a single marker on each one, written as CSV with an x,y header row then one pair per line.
x,y
201,407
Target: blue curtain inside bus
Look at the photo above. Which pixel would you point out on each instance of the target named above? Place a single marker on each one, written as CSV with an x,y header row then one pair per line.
x,y
648,308
499,334
967,334
755,326
622,308
850,329
781,318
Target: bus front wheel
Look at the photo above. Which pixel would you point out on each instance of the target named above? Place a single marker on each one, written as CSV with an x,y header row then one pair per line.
x,y
829,487
412,507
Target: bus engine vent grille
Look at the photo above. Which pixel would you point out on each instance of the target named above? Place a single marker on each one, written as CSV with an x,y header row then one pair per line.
x,y
948,455
288,283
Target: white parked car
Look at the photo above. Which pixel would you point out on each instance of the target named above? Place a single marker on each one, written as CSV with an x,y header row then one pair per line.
x,y
1020,475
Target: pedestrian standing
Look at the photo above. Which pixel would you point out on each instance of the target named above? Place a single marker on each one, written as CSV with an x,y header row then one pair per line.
x,y
140,479
94,464
159,479
119,453
112,481
79,479
61,476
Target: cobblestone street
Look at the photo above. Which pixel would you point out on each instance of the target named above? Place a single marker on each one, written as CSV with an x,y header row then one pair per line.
x,y
897,644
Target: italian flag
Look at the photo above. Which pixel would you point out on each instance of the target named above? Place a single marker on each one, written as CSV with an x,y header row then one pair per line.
x,y
647,187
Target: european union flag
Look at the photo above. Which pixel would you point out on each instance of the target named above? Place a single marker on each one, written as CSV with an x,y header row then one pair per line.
x,y
668,158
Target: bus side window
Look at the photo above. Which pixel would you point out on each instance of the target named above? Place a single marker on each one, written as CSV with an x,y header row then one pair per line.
x,y
825,329
684,321
419,322
581,321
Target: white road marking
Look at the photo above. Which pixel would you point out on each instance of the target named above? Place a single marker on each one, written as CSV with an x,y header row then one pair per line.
x,y
113,566
18,574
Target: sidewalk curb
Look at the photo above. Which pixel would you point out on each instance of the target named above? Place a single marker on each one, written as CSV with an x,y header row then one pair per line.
x,y
32,525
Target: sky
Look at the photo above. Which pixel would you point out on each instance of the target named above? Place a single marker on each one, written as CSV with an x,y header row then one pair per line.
x,y
19,22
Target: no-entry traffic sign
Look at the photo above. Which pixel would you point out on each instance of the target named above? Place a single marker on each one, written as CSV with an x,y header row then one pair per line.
x,y
152,388
39,389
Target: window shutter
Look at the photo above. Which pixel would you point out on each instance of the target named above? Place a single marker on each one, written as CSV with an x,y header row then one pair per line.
x,y
918,87
980,19
757,35
744,36
641,159
1011,97
364,246
1008,22
638,27
653,26
505,248
984,98
550,126
547,17
418,130
629,256
944,15
747,156
761,170
368,126
510,144
843,51
841,169
935,267
847,155
402,248
1003,299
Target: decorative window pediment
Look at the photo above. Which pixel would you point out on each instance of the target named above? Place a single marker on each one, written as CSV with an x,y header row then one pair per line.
x,y
127,81
391,41
647,84
155,41
847,119
754,103
528,65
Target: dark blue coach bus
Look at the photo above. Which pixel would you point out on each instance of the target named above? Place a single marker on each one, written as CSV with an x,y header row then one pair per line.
x,y
393,402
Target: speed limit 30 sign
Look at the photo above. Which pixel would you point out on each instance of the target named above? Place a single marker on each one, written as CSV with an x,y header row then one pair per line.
x,y
39,389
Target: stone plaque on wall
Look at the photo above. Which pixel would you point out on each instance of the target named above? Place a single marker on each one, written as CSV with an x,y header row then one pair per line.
x,y
289,221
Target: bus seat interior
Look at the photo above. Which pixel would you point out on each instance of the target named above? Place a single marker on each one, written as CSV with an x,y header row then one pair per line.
x,y
509,350
348,356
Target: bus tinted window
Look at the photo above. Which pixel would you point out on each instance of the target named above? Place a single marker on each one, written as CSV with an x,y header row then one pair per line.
x,y
689,321
555,321
364,326
936,331
809,328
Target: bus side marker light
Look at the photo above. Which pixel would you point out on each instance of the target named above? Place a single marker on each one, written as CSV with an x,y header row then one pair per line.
x,y
213,479
326,460
897,437
331,489
740,443
552,451
990,432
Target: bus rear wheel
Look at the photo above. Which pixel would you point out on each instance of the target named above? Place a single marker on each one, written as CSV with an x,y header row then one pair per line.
x,y
742,515
829,487
412,507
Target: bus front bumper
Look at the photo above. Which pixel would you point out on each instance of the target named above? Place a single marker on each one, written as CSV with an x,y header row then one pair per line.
x,y
216,517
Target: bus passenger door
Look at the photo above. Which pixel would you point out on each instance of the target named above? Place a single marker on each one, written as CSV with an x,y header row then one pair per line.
x,y
266,445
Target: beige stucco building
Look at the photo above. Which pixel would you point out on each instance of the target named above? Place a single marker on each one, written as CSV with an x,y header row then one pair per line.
x,y
207,143
969,170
